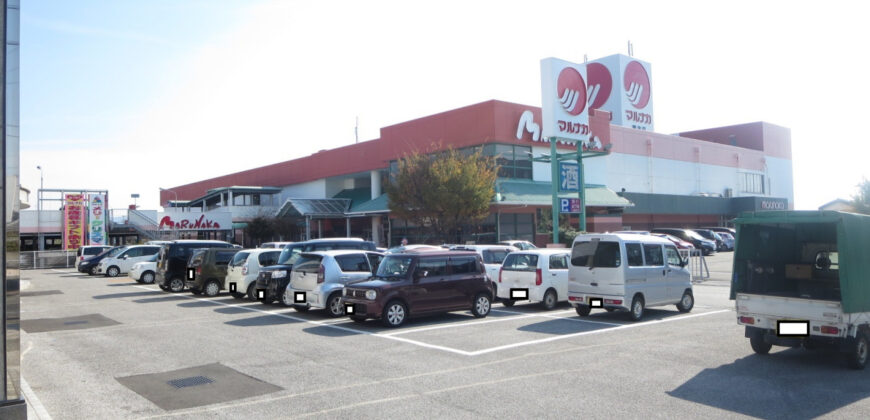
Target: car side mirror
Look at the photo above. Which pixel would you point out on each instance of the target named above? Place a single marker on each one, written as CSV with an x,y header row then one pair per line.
x,y
684,262
124,257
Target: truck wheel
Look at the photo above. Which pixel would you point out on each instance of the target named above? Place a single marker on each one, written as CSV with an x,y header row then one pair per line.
x,y
758,344
857,356
636,311
686,302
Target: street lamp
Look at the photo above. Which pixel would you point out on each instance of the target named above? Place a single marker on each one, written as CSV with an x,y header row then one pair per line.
x,y
39,246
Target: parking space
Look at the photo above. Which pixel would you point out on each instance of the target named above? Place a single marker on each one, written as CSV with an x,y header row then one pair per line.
x,y
517,362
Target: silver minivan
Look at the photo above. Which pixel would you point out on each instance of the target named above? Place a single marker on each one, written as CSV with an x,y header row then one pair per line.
x,y
321,276
628,273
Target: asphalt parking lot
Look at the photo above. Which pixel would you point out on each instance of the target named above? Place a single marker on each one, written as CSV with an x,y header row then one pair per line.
x,y
95,347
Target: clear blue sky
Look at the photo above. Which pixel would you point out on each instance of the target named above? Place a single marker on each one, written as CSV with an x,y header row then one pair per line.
x,y
131,96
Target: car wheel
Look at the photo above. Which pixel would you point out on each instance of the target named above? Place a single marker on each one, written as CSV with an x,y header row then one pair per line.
x,y
113,271
287,298
147,277
358,319
507,302
686,302
583,310
482,305
757,343
857,356
212,288
550,300
93,271
334,305
395,313
636,311
176,285
252,292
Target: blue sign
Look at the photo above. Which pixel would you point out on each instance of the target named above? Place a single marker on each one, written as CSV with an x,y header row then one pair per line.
x,y
569,176
569,205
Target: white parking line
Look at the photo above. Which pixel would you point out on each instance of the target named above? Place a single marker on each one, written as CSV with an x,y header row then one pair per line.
x,y
552,316
460,324
324,324
562,337
33,401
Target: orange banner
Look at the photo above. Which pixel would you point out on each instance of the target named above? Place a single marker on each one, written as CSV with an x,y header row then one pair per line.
x,y
73,221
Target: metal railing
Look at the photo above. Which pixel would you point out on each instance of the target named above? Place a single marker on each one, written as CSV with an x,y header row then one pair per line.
x,y
47,259
697,264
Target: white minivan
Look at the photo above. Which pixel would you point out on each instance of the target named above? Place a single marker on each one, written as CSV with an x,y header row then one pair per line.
x,y
627,272
538,275
123,262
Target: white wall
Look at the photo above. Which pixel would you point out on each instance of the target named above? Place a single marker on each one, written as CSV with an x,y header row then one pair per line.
x,y
781,177
313,189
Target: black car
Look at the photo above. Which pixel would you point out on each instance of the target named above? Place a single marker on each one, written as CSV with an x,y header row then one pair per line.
x,y
89,265
172,262
706,246
712,236
273,279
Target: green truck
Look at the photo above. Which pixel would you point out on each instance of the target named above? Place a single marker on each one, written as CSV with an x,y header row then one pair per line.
x,y
802,279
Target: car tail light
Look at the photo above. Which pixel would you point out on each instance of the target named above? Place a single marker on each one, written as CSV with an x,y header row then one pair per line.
x,y
539,278
827,329
613,301
747,320
499,274
320,274
198,270
245,269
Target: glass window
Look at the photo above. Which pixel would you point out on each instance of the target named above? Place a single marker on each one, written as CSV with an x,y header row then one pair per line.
x,y
239,259
375,261
653,255
268,258
558,262
521,262
494,256
435,266
308,264
224,257
394,265
256,199
606,255
463,265
634,255
353,262
673,256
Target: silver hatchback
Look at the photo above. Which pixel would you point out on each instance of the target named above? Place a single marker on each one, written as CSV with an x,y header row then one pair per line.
x,y
318,278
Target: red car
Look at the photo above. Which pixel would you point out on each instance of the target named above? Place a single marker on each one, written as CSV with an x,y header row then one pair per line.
x,y
681,244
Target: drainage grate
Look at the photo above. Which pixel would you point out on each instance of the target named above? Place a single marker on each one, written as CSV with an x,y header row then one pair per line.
x,y
75,322
191,381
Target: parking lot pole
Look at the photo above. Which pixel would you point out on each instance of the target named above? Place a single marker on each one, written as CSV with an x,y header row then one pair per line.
x,y
554,167
582,186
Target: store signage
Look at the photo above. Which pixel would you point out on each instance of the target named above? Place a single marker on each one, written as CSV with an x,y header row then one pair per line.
x,y
195,221
773,205
569,177
569,205
97,219
73,220
563,110
631,106
527,124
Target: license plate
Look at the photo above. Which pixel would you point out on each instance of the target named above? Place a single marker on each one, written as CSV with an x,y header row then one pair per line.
x,y
792,328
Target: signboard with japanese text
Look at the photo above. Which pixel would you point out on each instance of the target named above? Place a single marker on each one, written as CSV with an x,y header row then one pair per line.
x,y
569,205
622,86
569,177
563,109
97,219
73,221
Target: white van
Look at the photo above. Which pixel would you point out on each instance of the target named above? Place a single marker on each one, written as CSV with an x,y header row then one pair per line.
x,y
123,262
628,273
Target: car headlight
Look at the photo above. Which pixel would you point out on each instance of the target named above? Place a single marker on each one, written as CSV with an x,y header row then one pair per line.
x,y
371,294
279,274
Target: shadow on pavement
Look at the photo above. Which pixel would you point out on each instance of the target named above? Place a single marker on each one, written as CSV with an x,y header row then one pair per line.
x,y
562,327
330,331
261,321
128,294
793,384
167,298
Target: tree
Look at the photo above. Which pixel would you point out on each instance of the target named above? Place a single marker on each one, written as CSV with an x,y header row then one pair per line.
x,y
258,229
861,200
443,191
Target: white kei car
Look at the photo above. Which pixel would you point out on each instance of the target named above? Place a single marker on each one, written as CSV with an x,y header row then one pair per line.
x,y
123,262
143,272
245,267
539,275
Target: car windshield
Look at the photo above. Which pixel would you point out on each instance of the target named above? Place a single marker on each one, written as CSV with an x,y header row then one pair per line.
x,y
115,251
290,254
394,266
239,259
694,235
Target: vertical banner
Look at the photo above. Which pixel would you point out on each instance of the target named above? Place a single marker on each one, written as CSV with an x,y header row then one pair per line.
x,y
97,219
563,109
73,221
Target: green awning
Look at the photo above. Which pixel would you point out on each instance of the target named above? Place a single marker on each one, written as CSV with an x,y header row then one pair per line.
x,y
378,205
539,194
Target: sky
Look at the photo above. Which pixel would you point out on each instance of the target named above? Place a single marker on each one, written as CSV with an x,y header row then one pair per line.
x,y
131,96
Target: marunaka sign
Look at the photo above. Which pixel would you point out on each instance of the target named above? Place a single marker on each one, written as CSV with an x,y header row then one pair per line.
x,y
195,221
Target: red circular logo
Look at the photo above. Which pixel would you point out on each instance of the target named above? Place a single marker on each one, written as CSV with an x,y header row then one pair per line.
x,y
600,84
571,89
636,84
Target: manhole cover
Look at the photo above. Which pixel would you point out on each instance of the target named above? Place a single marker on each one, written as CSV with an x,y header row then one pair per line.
x,y
191,381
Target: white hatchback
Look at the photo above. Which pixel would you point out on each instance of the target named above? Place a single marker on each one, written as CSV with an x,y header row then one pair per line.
x,y
143,272
539,275
123,262
493,256
245,267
